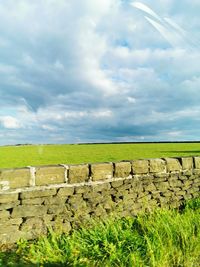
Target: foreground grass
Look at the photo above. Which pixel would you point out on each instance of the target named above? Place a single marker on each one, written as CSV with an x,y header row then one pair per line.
x,y
20,156
165,238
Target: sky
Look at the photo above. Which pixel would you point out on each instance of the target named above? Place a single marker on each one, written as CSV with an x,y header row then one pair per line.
x,y
75,71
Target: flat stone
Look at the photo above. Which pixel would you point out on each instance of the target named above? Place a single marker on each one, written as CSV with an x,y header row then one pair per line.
x,y
28,211
4,214
9,205
66,191
78,173
49,175
8,198
101,171
38,193
187,163
14,178
157,165
34,226
122,169
197,162
173,164
140,166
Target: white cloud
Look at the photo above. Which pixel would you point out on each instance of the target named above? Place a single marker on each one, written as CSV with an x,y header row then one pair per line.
x,y
9,122
97,70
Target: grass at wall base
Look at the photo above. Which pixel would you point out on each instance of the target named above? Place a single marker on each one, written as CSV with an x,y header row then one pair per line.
x,y
163,238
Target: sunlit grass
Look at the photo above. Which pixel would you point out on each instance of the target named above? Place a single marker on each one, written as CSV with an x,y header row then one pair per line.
x,y
163,238
21,156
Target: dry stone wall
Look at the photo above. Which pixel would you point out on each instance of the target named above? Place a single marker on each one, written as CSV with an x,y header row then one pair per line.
x,y
66,196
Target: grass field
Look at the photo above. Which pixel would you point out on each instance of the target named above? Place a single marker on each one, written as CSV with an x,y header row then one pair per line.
x,y
21,156
164,238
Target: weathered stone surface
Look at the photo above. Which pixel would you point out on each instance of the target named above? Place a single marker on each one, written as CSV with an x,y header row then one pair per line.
x,y
116,184
193,190
197,162
162,186
60,227
56,209
196,171
28,211
101,171
57,200
33,201
140,166
34,226
175,183
9,222
78,173
8,229
173,164
122,169
82,189
100,187
157,165
50,175
8,198
25,214
187,163
9,205
181,193
151,187
66,191
15,178
4,214
38,193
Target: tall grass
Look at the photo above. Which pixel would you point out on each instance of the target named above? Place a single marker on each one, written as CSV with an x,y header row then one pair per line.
x,y
163,238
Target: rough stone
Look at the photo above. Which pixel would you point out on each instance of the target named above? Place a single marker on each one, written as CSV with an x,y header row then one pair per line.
x,y
8,198
34,226
187,163
4,214
150,187
28,211
118,183
157,165
50,175
78,173
122,169
197,162
140,166
33,201
38,193
66,191
173,164
9,205
162,186
101,171
101,187
15,178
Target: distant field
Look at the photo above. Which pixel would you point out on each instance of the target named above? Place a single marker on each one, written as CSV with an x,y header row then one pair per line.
x,y
20,156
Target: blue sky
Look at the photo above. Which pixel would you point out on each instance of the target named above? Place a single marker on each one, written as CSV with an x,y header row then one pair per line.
x,y
99,70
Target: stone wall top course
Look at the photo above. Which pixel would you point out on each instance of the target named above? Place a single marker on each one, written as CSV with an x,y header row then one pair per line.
x,y
14,178
78,173
140,166
101,171
157,165
46,175
173,164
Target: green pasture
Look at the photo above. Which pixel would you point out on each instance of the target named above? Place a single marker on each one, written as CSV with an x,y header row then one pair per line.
x,y
34,155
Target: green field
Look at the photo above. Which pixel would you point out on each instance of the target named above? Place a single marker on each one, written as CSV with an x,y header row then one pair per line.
x,y
164,238
21,156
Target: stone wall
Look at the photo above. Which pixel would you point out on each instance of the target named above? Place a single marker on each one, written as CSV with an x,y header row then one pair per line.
x,y
65,196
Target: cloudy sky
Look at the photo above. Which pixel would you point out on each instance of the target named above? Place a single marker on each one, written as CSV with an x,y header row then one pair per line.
x,y
99,70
